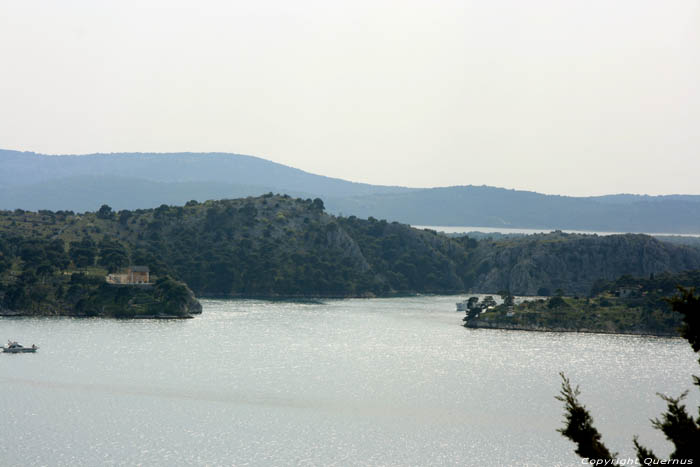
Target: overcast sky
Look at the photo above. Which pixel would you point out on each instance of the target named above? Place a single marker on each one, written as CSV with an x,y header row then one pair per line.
x,y
564,97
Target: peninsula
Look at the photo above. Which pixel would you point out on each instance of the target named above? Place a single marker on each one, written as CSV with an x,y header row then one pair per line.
x,y
628,305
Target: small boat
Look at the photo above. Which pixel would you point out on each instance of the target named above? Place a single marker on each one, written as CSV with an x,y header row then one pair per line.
x,y
14,347
467,304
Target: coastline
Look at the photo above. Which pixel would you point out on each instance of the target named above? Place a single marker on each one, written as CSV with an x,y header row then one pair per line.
x,y
516,327
21,314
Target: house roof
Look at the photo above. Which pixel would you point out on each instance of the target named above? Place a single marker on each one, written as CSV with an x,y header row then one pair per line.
x,y
139,268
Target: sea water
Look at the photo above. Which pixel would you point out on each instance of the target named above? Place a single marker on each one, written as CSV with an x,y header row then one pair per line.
x,y
339,382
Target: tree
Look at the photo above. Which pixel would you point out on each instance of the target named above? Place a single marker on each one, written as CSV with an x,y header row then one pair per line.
x,y
105,212
83,253
556,302
32,253
508,299
579,425
5,262
113,255
56,254
676,423
124,217
172,294
45,269
318,204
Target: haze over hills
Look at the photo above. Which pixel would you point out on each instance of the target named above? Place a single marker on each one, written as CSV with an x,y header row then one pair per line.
x,y
144,180
26,168
497,207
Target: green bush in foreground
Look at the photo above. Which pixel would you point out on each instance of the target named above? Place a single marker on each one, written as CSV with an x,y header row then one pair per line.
x,y
679,427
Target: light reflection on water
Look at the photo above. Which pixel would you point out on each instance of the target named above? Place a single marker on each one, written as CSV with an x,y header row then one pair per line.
x,y
345,382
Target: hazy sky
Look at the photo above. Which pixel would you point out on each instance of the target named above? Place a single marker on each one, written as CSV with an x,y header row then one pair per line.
x,y
567,97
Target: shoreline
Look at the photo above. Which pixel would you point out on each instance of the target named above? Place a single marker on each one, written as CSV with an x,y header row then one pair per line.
x,y
569,330
76,316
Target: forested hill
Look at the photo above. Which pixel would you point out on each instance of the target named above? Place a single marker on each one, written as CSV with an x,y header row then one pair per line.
x,y
257,247
146,180
543,263
278,246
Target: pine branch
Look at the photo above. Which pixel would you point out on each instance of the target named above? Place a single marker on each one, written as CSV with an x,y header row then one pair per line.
x,y
579,425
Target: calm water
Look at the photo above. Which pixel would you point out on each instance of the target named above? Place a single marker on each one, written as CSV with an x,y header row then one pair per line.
x,y
507,230
346,382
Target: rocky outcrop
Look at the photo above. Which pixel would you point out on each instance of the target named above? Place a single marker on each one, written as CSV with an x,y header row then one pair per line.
x,y
544,263
339,240
192,306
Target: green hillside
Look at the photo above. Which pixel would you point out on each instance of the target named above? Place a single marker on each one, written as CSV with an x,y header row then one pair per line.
x,y
627,305
269,246
541,264
277,246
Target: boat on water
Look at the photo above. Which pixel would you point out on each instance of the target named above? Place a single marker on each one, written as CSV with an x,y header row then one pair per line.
x,y
14,347
467,304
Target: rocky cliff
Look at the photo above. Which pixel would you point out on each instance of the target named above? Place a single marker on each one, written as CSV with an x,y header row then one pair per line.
x,y
541,264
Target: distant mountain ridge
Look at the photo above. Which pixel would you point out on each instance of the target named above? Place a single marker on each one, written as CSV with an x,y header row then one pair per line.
x,y
143,180
497,207
26,168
